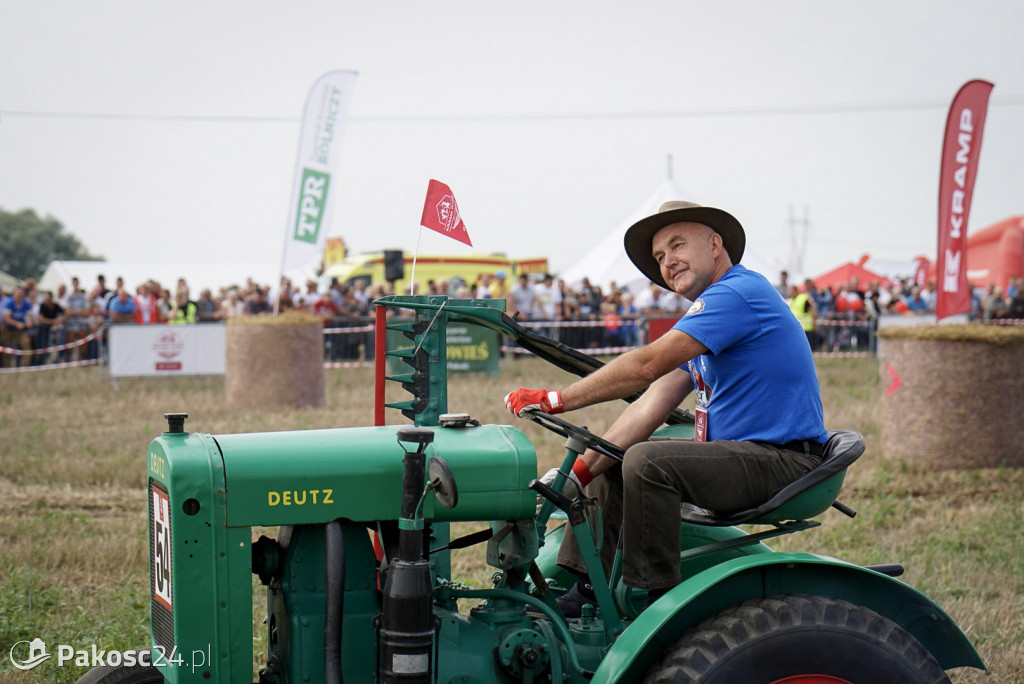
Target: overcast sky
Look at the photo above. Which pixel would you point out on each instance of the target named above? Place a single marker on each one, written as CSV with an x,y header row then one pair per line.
x,y
168,131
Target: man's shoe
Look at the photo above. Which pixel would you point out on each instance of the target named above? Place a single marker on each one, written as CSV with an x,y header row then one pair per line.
x,y
655,594
572,602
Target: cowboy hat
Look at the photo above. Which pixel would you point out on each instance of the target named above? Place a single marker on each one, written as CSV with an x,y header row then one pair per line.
x,y
640,235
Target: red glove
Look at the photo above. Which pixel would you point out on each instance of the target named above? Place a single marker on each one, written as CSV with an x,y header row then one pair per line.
x,y
548,401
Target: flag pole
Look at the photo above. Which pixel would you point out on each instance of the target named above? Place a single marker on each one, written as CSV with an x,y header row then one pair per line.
x,y
280,277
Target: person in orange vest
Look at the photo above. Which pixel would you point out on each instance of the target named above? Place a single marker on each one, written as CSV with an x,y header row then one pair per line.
x,y
146,311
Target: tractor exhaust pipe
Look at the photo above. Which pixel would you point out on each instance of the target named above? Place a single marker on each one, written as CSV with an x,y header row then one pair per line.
x,y
406,632
334,545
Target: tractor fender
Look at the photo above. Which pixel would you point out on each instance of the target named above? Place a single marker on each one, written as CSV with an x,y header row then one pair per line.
x,y
691,537
766,574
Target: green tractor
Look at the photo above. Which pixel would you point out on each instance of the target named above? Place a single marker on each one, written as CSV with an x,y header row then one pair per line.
x,y
359,578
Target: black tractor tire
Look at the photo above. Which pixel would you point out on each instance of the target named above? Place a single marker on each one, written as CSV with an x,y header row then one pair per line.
x,y
123,674
784,638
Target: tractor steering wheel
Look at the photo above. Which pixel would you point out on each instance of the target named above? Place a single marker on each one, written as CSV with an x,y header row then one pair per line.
x,y
566,429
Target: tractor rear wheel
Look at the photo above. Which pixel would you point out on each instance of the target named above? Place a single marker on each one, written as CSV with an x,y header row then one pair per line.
x,y
123,674
797,639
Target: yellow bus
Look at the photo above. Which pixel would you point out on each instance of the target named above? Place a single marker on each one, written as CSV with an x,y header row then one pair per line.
x,y
467,267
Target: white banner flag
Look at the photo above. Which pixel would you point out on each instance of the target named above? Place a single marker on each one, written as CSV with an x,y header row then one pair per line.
x,y
323,122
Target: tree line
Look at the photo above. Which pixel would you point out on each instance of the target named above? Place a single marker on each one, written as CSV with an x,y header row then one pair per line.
x,y
28,243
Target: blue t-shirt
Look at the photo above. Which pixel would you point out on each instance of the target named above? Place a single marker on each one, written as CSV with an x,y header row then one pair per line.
x,y
758,381
125,308
19,312
916,304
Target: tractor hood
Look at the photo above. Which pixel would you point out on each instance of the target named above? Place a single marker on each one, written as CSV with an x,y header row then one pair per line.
x,y
315,476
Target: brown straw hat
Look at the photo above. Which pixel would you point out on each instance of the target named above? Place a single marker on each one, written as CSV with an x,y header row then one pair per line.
x,y
640,235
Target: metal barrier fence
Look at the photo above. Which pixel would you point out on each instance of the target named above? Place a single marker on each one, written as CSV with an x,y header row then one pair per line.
x,y
351,345
86,351
843,339
591,337
831,338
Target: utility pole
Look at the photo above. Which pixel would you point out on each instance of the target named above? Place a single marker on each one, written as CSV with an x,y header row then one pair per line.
x,y
798,231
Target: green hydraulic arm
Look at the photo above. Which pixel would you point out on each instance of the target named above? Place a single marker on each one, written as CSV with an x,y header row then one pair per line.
x,y
428,383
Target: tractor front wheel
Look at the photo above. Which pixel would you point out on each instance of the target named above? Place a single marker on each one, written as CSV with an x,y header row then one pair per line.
x,y
123,674
797,639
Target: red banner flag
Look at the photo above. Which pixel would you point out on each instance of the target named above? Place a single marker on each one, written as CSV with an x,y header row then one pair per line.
x,y
960,152
441,213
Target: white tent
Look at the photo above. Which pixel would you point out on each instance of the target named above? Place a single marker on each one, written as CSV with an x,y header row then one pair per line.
x,y
607,261
197,275
8,282
893,269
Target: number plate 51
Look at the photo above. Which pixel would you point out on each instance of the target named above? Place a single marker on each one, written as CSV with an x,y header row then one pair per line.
x,y
161,535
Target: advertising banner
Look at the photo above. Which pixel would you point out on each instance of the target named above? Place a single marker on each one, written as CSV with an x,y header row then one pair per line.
x,y
154,350
960,152
472,348
323,122
468,348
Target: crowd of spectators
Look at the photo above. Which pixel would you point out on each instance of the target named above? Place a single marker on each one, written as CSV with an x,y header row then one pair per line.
x,y
38,320
586,317
994,304
583,318
846,316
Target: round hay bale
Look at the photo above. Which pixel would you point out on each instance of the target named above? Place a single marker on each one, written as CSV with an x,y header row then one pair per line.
x,y
958,398
275,360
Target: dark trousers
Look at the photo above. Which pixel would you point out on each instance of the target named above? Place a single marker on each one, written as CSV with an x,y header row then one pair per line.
x,y
44,333
641,498
16,339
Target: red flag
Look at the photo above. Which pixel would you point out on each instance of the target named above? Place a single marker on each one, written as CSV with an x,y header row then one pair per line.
x,y
960,152
441,213
921,267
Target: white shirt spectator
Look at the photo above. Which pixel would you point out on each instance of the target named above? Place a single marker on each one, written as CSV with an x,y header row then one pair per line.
x,y
672,302
523,296
548,299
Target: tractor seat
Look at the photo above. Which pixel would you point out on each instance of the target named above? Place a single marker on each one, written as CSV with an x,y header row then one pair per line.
x,y
801,499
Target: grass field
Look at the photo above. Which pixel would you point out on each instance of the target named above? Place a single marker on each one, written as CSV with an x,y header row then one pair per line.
x,y
73,549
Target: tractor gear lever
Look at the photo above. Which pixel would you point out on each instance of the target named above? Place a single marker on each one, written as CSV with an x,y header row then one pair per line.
x,y
562,502
572,487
